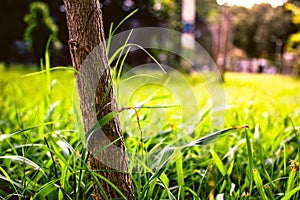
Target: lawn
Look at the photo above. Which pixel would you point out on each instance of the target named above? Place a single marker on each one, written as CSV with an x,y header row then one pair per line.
x,y
42,154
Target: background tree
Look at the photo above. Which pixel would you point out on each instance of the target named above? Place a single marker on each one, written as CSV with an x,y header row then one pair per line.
x,y
294,39
207,15
261,30
39,29
86,31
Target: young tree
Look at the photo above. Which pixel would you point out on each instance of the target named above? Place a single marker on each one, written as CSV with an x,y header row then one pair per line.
x,y
87,42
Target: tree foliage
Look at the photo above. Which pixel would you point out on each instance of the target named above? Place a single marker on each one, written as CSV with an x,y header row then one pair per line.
x,y
40,27
294,39
258,31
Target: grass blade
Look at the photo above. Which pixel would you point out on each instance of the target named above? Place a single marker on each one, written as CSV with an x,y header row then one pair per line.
x,y
23,160
112,185
54,164
112,32
296,136
123,20
180,176
259,184
291,193
291,179
219,163
104,120
8,178
212,136
250,158
112,58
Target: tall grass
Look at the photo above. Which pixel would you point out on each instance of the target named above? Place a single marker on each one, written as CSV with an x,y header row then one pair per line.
x,y
42,155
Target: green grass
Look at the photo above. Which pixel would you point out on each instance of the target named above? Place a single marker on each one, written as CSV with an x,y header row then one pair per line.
x,y
42,155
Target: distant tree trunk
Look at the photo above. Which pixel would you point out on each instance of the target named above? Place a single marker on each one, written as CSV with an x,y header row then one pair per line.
x,y
221,36
224,45
105,144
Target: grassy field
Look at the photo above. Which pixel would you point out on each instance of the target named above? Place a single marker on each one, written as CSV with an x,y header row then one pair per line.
x,y
42,155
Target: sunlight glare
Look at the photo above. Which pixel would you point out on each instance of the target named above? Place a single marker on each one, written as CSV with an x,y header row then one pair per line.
x,y
250,3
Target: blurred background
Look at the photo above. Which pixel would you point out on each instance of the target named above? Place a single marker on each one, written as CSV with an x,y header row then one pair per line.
x,y
241,36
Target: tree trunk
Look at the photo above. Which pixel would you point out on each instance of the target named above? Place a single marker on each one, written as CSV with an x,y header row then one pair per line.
x,y
221,40
104,141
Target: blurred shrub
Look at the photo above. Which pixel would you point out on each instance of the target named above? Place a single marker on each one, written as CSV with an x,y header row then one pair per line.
x,y
40,27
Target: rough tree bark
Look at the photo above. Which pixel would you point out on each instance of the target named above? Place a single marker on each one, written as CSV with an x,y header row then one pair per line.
x,y
97,99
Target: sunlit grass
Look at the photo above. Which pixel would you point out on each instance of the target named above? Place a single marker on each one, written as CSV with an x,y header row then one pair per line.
x,y
42,156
